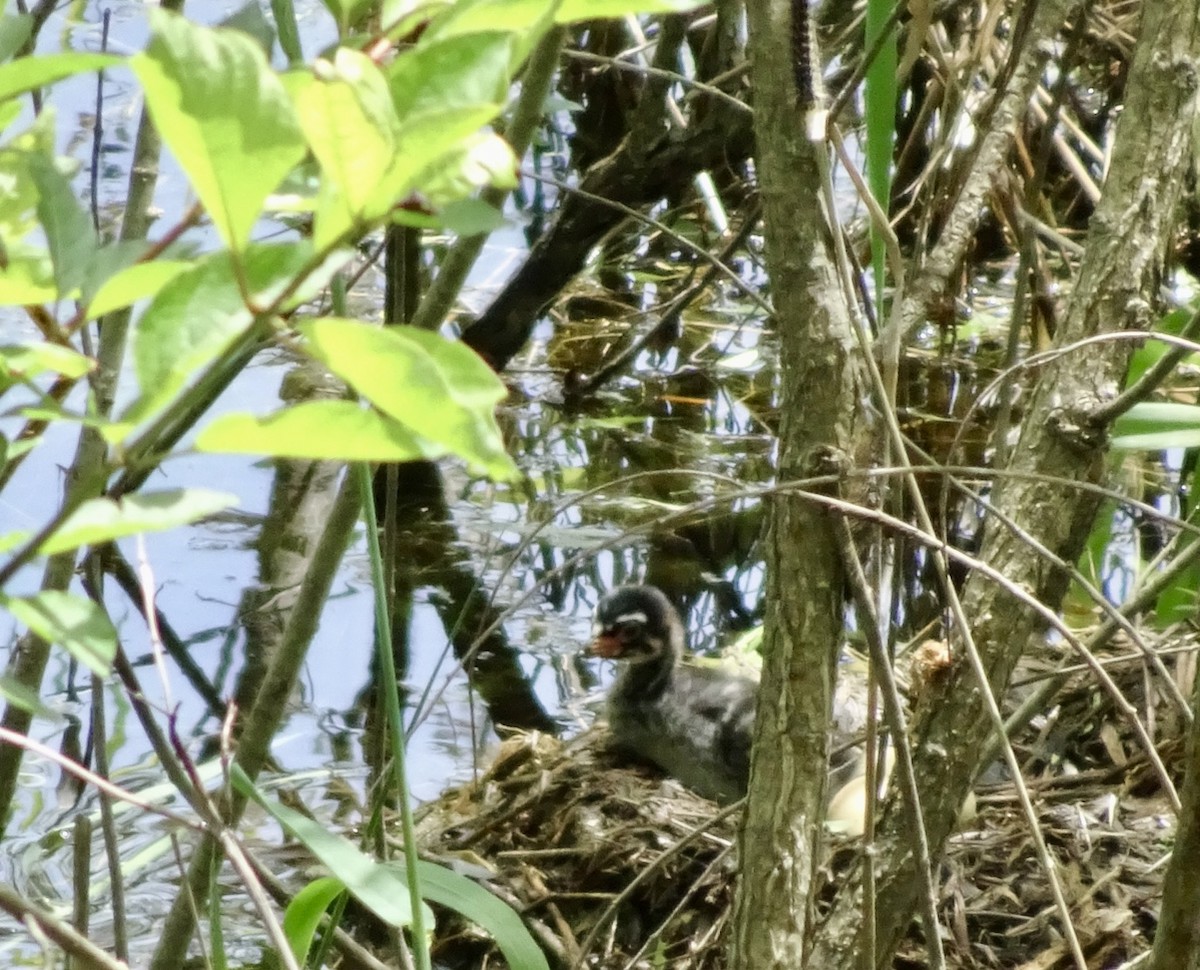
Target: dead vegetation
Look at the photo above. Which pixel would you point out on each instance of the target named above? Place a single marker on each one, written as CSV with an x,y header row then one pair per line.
x,y
616,867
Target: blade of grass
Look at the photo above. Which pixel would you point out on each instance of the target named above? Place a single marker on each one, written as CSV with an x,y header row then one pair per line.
x,y
391,700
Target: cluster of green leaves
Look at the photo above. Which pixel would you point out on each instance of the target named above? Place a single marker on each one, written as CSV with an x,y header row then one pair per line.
x,y
351,142
355,141
382,888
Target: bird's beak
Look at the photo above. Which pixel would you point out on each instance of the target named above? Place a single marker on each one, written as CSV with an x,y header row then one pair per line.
x,y
606,645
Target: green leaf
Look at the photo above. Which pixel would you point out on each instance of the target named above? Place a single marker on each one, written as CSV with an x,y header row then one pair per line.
x,y
14,31
1177,603
15,450
448,888
29,73
466,217
73,622
250,20
225,116
28,278
470,217
200,312
69,231
482,159
18,194
347,116
10,111
216,928
106,261
336,430
452,72
526,18
405,16
440,389
382,886
24,361
304,912
1149,352
24,698
1157,425
431,144
348,13
103,519
376,886
133,283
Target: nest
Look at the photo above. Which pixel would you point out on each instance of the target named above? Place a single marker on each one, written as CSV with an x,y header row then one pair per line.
x,y
615,866
604,861
996,903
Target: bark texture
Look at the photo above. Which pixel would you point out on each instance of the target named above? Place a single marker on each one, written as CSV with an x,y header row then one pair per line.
x,y
1116,287
804,578
1177,942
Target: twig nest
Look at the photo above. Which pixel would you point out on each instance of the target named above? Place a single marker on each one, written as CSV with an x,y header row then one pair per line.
x,y
604,860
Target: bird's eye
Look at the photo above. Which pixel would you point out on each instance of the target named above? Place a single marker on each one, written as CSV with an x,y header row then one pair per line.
x,y
629,630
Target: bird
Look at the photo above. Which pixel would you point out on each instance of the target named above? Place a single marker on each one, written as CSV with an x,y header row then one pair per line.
x,y
695,723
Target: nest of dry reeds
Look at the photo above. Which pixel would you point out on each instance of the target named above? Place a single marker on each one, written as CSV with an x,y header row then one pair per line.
x,y
609,864
613,866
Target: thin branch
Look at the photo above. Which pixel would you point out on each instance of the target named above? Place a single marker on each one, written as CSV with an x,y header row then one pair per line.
x,y
682,241
893,707
1153,377
90,777
673,76
84,952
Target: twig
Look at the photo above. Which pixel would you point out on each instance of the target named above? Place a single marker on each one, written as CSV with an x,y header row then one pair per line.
x,y
119,568
98,127
893,707
108,828
84,952
684,900
90,777
673,76
660,860
682,241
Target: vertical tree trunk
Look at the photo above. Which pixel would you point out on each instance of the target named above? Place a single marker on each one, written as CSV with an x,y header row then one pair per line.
x,y
1177,942
804,586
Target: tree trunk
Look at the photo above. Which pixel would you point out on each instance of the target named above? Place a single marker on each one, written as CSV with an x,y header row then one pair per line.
x,y
1177,942
781,827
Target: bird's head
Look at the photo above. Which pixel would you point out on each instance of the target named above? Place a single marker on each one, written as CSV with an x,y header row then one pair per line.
x,y
635,624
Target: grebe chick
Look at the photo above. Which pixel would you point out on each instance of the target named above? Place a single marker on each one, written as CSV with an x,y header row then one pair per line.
x,y
695,723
